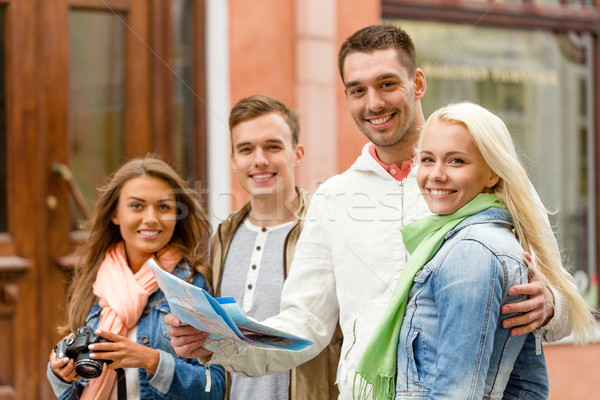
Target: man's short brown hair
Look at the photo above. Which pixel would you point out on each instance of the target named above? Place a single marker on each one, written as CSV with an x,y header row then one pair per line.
x,y
379,37
257,105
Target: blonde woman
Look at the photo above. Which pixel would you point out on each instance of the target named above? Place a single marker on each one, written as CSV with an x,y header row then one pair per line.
x,y
442,336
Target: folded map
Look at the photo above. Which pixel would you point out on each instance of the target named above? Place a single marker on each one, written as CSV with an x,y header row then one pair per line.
x,y
229,328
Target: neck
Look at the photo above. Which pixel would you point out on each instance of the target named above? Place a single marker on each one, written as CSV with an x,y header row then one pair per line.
x,y
266,211
404,150
136,262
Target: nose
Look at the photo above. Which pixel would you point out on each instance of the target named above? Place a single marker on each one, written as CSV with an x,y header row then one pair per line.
x,y
150,216
260,158
437,172
375,101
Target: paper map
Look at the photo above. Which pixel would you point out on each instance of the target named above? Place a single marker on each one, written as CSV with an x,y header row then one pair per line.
x,y
229,328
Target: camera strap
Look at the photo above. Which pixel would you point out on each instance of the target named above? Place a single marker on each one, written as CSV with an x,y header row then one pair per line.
x,y
121,384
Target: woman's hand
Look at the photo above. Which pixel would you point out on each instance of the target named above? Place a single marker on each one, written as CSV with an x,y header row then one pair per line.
x,y
64,368
124,353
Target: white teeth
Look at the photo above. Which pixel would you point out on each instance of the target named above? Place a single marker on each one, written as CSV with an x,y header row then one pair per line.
x,y
382,120
148,233
263,176
436,192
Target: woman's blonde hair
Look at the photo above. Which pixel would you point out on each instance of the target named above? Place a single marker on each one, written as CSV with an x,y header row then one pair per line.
x,y
491,136
190,238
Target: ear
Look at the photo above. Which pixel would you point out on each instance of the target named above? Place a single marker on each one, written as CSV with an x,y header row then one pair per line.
x,y
115,218
420,84
299,154
492,180
346,94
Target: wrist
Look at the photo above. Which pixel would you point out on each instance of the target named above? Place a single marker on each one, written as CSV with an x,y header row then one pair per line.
x,y
152,360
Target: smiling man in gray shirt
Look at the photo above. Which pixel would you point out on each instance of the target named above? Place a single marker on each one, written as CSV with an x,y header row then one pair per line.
x,y
252,250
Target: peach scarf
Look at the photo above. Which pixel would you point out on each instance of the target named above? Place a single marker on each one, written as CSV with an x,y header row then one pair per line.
x,y
123,296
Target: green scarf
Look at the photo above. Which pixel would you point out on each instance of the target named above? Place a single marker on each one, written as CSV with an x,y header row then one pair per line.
x,y
422,239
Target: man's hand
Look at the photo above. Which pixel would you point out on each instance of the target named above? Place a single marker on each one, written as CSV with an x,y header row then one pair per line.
x,y
187,341
537,310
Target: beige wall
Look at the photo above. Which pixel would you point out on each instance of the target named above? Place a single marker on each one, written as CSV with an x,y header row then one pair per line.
x,y
288,49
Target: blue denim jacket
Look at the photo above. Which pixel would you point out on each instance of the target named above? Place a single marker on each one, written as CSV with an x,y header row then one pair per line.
x,y
452,344
176,377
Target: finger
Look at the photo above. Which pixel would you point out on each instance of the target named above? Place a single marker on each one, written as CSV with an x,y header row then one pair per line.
x,y
172,320
524,329
187,349
196,337
113,337
104,355
527,256
523,319
529,289
58,364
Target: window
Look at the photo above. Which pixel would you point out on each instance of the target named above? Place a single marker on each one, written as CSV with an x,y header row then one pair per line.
x,y
540,83
184,93
96,97
3,143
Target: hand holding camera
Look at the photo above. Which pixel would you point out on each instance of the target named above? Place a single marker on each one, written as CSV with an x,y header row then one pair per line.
x,y
77,348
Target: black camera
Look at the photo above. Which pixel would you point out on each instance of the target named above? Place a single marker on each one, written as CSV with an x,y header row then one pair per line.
x,y
77,348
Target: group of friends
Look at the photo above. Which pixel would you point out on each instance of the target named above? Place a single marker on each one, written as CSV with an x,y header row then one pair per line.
x,y
426,270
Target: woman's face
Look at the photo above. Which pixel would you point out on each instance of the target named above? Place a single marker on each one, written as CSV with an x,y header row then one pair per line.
x,y
146,215
452,170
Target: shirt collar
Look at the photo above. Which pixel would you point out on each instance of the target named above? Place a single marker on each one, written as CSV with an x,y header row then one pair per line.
x,y
397,173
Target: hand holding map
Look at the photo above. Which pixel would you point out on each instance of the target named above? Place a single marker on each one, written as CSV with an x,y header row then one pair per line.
x,y
229,328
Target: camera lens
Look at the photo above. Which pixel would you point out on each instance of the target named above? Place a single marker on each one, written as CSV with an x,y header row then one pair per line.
x,y
88,368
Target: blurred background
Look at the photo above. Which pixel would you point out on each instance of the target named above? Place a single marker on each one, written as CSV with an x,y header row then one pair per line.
x,y
88,84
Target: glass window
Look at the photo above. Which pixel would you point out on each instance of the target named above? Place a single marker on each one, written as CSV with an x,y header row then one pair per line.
x,y
3,166
96,97
185,137
539,83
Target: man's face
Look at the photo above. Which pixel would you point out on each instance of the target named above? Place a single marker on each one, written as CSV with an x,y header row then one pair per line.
x,y
264,156
382,96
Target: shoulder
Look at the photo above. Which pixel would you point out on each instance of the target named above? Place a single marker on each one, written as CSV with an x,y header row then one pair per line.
x,y
183,271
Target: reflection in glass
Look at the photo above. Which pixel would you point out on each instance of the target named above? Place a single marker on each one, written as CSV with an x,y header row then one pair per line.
x,y
3,175
184,95
539,83
96,96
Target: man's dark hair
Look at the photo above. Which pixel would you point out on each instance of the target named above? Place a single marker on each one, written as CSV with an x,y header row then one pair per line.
x,y
379,37
257,105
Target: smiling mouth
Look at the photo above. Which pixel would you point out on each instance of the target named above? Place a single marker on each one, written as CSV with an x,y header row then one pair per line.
x,y
440,192
263,176
380,121
148,234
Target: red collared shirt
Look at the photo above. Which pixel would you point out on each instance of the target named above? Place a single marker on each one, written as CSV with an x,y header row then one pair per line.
x,y
398,173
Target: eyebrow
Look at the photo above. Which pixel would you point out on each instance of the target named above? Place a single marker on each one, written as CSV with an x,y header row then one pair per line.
x,y
242,144
379,78
143,200
450,153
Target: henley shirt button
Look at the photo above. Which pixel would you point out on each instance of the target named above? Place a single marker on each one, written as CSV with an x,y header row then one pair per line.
x,y
253,266
264,229
393,171
144,339
250,286
258,248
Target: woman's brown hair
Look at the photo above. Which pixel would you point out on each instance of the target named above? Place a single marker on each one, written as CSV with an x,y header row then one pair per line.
x,y
190,238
